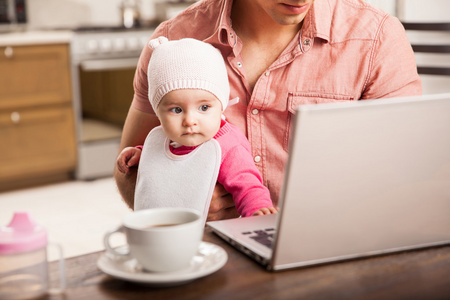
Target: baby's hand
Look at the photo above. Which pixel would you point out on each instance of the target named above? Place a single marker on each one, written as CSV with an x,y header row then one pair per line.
x,y
129,157
266,211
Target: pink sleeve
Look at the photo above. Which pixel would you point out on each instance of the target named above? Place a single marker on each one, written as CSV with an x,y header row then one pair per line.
x,y
240,177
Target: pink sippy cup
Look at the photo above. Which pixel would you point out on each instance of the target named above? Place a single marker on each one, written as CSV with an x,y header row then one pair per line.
x,y
23,259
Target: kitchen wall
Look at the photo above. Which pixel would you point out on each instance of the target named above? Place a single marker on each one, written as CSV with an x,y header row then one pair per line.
x,y
388,6
72,13
424,11
416,10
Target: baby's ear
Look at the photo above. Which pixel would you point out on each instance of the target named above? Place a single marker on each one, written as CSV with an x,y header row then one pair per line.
x,y
152,44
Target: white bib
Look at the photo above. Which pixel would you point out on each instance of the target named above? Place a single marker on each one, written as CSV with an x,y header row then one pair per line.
x,y
168,180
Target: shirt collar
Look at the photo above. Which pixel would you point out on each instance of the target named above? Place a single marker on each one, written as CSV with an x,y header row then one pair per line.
x,y
317,22
223,33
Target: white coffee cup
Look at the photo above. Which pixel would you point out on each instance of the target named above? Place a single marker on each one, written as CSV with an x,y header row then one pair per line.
x,y
161,239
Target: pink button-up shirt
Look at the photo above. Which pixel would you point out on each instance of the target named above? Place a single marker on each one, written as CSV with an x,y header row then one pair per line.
x,y
346,51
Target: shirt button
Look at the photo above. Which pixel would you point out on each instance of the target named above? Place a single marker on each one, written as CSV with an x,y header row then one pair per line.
x,y
306,42
239,64
257,158
267,73
255,111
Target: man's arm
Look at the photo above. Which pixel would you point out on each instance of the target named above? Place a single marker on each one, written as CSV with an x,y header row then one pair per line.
x,y
137,125
222,205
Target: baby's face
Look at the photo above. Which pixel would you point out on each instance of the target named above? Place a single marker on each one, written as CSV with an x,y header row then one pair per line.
x,y
190,117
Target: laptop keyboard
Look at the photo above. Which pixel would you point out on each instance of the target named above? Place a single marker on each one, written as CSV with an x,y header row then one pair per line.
x,y
262,236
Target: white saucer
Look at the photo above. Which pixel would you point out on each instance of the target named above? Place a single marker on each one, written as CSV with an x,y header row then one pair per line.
x,y
209,259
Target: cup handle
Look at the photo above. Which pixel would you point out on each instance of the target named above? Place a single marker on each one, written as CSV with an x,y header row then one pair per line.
x,y
62,271
108,247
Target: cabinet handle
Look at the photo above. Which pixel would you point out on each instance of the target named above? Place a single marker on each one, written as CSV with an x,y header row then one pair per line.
x,y
15,117
9,52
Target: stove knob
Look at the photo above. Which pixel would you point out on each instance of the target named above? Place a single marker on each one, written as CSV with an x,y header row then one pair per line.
x,y
119,45
105,45
92,46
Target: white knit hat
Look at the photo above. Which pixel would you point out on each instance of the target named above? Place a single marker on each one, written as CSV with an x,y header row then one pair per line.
x,y
186,64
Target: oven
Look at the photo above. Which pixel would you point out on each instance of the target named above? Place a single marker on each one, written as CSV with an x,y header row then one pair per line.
x,y
103,65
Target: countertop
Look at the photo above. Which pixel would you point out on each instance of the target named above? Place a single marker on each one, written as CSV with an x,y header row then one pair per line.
x,y
35,37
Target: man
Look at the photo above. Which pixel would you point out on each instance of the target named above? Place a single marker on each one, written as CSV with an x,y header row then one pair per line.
x,y
281,54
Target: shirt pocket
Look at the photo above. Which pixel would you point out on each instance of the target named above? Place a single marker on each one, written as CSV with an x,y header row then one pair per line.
x,y
300,98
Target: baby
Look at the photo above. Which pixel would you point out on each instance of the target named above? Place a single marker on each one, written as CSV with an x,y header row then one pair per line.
x,y
194,147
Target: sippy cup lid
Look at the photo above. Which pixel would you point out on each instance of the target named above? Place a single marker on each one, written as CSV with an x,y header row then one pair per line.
x,y
22,235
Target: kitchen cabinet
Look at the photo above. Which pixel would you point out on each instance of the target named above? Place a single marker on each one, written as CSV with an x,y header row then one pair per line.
x,y
37,130
106,95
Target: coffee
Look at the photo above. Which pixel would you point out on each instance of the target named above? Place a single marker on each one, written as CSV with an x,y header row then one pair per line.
x,y
159,225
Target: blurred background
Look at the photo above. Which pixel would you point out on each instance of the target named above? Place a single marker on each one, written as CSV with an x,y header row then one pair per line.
x,y
66,71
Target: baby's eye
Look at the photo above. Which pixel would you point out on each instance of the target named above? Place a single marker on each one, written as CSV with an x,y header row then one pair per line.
x,y
176,110
204,107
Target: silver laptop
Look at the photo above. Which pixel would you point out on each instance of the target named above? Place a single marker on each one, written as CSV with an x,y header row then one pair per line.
x,y
363,178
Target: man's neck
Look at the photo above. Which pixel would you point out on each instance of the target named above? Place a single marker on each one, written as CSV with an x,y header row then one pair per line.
x,y
263,39
250,22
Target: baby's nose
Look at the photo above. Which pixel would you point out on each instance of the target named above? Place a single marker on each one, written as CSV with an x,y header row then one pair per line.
x,y
190,120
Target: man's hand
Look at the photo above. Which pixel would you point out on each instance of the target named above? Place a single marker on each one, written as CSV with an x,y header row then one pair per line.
x,y
222,205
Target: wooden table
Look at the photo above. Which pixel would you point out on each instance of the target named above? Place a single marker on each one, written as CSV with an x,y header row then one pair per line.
x,y
422,274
